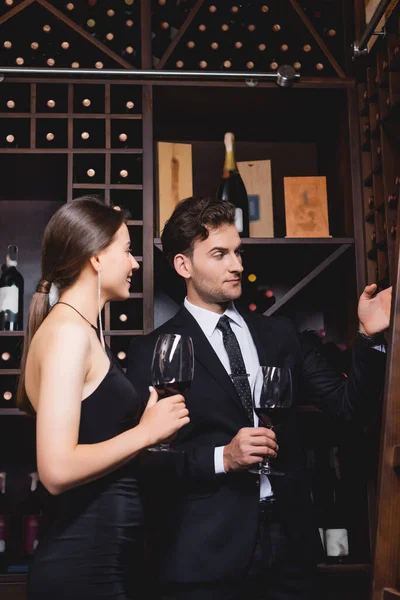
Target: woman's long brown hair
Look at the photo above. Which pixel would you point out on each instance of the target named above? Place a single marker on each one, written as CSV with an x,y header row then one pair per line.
x,y
75,233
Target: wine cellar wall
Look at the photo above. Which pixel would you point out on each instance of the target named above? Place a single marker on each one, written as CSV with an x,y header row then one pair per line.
x,y
63,137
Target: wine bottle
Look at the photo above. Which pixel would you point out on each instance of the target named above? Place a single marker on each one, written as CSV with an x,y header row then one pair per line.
x,y
317,490
336,534
3,524
232,187
11,294
31,519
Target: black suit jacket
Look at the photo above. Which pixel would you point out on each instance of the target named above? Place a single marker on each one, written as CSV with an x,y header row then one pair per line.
x,y
204,525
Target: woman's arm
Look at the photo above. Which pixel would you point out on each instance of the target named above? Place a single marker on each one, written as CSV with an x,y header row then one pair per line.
x,y
62,462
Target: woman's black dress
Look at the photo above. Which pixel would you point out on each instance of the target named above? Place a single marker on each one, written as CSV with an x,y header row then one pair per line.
x,y
92,546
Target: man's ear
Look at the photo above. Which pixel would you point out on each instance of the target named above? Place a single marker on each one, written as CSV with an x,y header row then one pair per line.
x,y
183,266
95,262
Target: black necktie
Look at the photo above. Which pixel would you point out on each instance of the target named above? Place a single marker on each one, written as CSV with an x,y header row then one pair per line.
x,y
238,368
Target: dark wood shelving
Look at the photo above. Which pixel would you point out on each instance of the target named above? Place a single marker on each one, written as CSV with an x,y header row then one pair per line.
x,y
370,217
366,147
375,133
390,594
368,180
107,186
12,333
322,568
344,568
393,114
49,115
11,412
73,151
13,577
276,240
132,222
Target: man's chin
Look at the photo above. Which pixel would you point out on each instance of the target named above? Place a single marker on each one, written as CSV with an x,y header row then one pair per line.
x,y
232,296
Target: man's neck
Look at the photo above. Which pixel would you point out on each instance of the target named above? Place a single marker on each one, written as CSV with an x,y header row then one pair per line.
x,y
217,307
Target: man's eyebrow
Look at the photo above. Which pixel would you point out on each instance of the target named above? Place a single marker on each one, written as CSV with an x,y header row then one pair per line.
x,y
218,248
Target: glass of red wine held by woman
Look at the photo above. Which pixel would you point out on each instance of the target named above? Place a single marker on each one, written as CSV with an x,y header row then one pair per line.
x,y
272,399
172,370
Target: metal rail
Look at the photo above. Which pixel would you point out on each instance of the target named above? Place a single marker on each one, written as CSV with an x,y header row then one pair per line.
x,y
360,48
284,76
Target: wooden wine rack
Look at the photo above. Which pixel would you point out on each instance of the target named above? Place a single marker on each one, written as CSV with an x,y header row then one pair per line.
x,y
379,115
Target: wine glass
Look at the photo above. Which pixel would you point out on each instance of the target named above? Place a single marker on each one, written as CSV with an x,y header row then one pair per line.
x,y
272,399
172,369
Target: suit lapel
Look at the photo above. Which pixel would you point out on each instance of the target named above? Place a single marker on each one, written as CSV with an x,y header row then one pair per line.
x,y
205,354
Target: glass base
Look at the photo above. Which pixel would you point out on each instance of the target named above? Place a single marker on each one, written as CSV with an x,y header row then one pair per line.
x,y
264,469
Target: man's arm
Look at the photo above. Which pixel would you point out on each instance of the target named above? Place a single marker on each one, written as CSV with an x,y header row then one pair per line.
x,y
354,397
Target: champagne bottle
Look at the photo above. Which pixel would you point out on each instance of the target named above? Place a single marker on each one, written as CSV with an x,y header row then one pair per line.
x,y
11,294
232,187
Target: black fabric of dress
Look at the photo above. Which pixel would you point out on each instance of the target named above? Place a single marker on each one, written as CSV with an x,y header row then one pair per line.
x,y
92,546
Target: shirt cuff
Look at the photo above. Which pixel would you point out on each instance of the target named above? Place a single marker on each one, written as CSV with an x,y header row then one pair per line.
x,y
219,460
380,348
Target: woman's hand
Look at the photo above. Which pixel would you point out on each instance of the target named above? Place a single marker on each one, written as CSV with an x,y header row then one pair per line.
x,y
163,418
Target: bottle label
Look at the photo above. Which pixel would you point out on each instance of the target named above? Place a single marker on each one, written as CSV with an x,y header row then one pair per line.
x,y
254,207
239,219
337,543
9,299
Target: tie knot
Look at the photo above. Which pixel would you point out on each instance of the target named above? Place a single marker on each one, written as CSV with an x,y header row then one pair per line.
x,y
224,324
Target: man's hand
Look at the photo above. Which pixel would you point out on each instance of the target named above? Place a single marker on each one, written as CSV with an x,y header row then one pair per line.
x,y
374,312
249,446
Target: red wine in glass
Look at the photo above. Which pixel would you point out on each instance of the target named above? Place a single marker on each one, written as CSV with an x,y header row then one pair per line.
x,y
272,400
170,389
172,370
272,417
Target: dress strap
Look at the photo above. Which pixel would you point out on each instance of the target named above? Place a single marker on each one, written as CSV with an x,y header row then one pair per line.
x,y
80,314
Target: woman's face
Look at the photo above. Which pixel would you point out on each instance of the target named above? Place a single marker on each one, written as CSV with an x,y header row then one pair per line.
x,y
117,266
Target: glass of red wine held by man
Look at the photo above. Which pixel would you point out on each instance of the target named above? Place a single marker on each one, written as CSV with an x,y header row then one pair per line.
x,y
272,399
172,370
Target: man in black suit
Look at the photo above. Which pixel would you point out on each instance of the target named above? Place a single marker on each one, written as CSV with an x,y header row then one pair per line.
x,y
219,531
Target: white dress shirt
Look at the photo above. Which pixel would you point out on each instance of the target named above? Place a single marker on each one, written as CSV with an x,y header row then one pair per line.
x,y
208,321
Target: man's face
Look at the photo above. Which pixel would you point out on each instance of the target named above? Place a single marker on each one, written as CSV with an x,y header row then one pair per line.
x,y
215,268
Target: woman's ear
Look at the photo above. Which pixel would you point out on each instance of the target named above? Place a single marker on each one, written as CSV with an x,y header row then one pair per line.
x,y
95,262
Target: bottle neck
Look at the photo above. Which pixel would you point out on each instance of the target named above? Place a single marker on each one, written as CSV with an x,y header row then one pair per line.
x,y
12,256
230,159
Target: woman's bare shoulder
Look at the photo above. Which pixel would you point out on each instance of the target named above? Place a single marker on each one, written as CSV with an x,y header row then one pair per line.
x,y
57,334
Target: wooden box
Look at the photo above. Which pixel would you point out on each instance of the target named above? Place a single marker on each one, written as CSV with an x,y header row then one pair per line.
x,y
306,207
256,175
175,180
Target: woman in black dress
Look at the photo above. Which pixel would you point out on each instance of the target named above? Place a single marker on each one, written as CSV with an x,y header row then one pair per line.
x,y
88,428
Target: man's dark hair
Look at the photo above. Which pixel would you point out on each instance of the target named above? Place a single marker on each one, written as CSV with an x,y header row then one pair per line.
x,y
191,221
